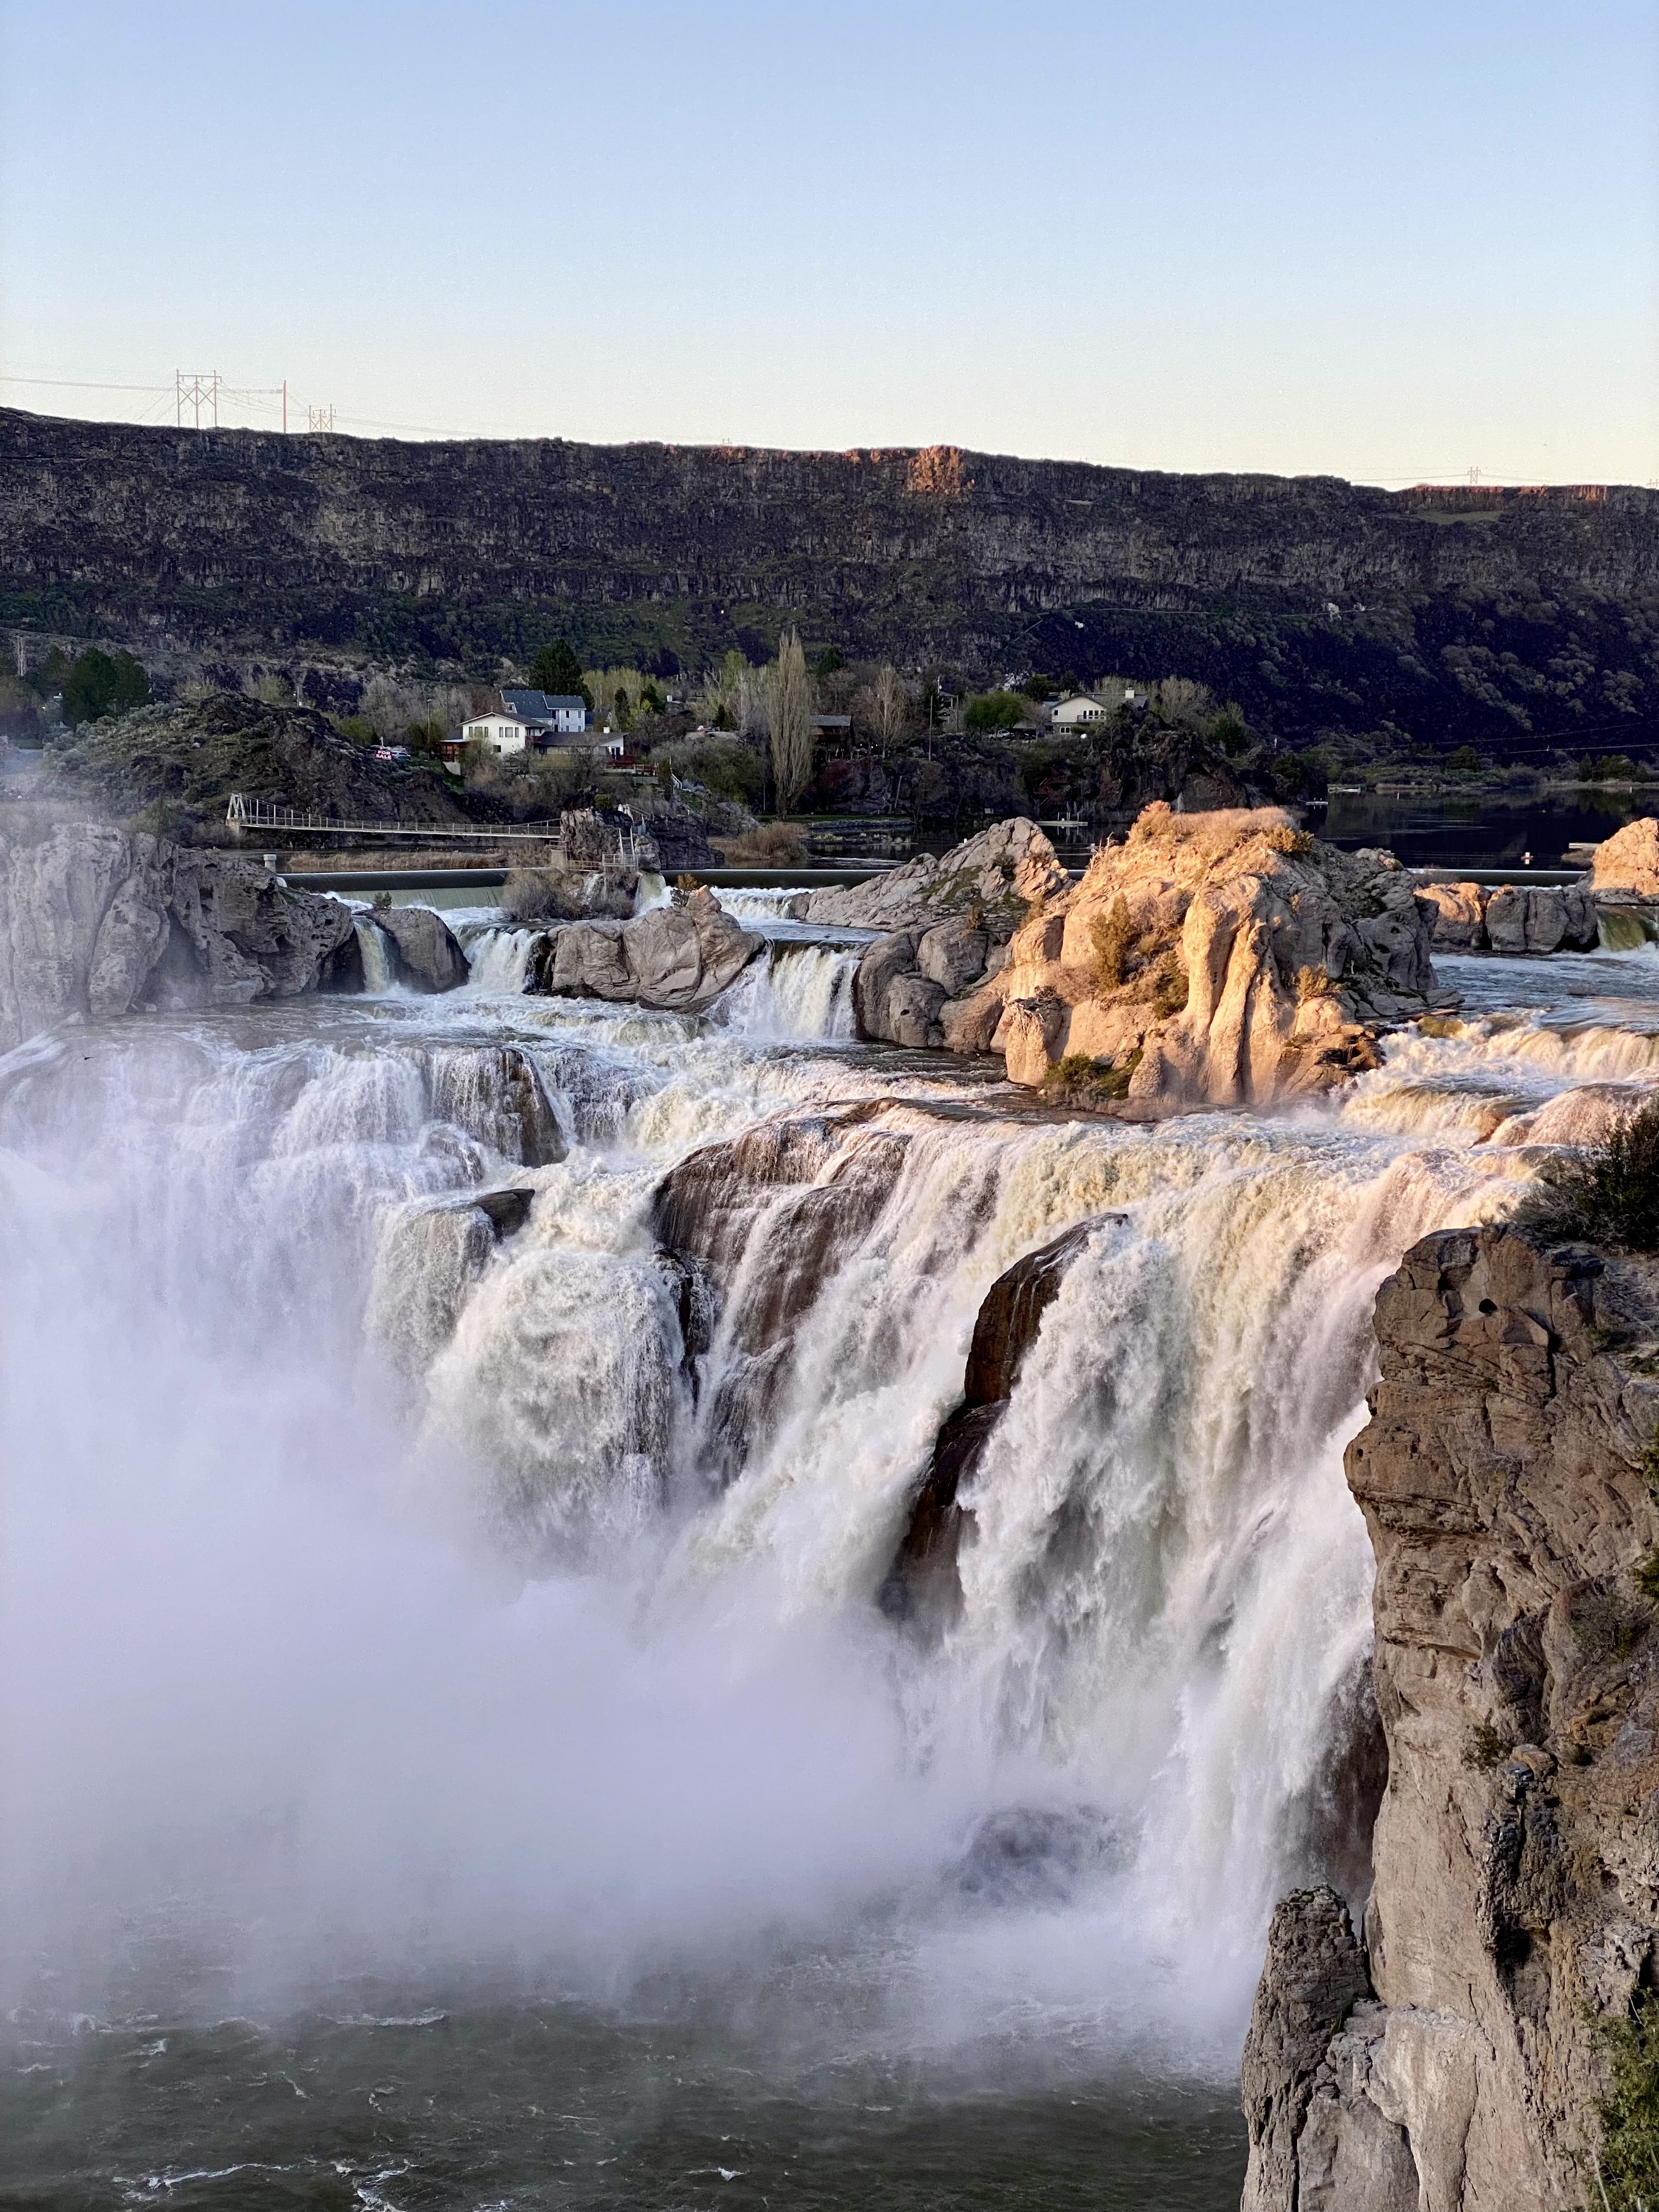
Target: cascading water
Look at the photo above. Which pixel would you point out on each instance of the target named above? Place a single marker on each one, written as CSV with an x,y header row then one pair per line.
x,y
423,1616
800,993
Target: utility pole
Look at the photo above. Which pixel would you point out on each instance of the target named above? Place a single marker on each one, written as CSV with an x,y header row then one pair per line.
x,y
320,418
196,391
285,407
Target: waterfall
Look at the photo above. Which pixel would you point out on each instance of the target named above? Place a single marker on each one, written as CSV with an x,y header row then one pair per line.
x,y
380,972
500,959
467,1589
802,993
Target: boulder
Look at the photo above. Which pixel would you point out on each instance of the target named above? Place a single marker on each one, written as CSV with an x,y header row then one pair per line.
x,y
1627,865
1459,915
952,954
912,1011
675,958
1541,918
428,956
1227,955
879,967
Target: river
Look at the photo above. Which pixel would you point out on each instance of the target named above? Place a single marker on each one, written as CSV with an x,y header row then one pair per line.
x,y
454,1754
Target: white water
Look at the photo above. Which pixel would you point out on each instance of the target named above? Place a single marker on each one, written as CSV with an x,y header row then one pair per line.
x,y
387,1608
799,994
499,958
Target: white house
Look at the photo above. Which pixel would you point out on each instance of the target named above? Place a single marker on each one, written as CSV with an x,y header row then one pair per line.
x,y
502,733
1072,714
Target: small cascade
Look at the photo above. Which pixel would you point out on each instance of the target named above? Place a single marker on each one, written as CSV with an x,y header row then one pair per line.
x,y
802,995
500,960
1625,929
378,958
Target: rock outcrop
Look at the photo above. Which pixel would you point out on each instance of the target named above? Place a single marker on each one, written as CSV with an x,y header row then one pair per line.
x,y
1512,917
1505,1477
1219,959
1626,866
996,875
674,958
95,921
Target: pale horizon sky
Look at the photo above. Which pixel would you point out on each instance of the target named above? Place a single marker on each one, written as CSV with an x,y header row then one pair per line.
x,y
1388,244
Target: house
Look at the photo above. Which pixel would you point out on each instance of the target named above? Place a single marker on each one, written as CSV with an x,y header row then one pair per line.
x,y
502,733
546,714
1072,714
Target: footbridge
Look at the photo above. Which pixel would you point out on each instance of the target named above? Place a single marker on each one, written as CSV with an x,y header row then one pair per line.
x,y
620,849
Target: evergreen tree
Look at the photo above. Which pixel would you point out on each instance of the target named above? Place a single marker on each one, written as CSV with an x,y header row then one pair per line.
x,y
556,671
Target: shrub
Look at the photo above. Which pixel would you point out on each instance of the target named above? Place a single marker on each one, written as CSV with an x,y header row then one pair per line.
x,y
1283,839
538,895
1627,2167
1111,933
97,686
1314,983
1485,1749
995,710
1610,1194
770,845
1077,1080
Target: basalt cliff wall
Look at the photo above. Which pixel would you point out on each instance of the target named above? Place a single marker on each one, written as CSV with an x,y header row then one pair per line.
x,y
1453,2058
1319,604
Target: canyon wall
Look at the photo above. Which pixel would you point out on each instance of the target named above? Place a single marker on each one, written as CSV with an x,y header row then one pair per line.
x,y
1315,602
1453,2060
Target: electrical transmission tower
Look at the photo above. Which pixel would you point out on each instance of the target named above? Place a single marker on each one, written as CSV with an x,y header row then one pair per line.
x,y
195,393
320,418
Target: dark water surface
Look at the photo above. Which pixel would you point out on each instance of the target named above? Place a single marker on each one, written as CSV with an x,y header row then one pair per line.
x,y
1477,832
553,2104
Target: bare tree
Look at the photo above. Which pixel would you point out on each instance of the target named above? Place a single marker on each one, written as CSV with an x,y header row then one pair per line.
x,y
887,704
789,701
721,698
754,703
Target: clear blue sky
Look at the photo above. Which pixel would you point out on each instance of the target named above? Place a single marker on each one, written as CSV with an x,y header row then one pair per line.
x,y
1385,241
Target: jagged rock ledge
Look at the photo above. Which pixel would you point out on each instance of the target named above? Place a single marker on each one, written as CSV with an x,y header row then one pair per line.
x,y
1453,2060
97,922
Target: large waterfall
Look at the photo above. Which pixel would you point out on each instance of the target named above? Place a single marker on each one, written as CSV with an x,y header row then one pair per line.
x,y
450,1604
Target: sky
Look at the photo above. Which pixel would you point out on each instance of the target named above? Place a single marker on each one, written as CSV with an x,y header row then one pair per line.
x,y
1394,242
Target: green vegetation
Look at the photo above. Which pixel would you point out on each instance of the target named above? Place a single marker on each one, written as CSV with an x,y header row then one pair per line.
x,y
830,662
1487,1748
1608,1194
1464,762
1110,935
99,684
993,711
1077,1080
1627,2169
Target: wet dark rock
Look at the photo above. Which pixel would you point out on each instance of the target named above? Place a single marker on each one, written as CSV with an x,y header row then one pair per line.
x,y
505,1211
495,1093
922,1587
1038,1856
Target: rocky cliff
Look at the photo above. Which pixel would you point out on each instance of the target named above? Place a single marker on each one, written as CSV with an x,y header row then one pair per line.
x,y
1454,2062
96,922
1319,605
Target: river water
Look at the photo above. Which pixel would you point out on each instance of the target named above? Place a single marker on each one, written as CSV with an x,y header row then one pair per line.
x,y
454,1754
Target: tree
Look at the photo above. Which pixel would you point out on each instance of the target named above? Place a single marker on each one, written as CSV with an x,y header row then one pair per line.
x,y
789,717
829,661
1464,762
887,704
995,710
97,686
556,671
